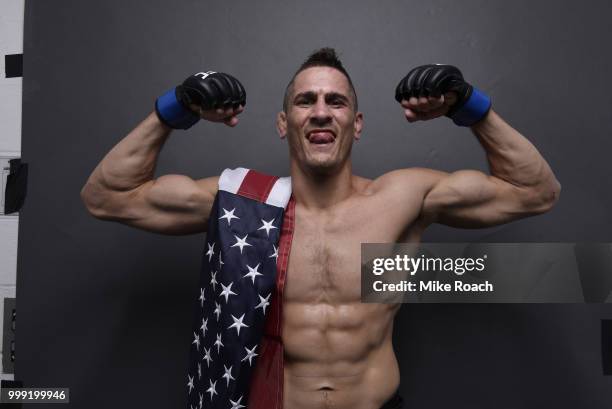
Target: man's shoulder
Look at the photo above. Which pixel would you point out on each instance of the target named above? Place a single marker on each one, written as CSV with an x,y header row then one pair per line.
x,y
414,178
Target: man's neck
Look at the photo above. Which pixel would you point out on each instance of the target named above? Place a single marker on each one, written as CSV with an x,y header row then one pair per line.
x,y
319,191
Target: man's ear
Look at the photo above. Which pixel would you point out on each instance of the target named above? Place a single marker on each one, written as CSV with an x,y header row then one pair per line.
x,y
281,124
358,125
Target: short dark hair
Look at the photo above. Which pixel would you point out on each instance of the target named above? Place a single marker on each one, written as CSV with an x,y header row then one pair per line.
x,y
323,57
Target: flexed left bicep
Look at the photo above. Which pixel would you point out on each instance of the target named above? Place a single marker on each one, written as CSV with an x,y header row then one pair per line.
x,y
473,199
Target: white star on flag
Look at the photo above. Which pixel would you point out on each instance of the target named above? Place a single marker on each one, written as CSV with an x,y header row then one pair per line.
x,y
236,405
237,323
190,383
201,398
229,215
211,251
267,226
202,299
250,354
263,303
199,371
275,254
204,326
217,310
227,290
228,374
211,389
196,340
241,242
218,343
252,272
213,280
207,357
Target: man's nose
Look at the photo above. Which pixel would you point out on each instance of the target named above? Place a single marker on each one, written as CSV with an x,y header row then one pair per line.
x,y
321,114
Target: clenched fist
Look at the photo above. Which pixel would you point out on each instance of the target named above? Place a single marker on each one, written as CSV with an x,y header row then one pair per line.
x,y
433,90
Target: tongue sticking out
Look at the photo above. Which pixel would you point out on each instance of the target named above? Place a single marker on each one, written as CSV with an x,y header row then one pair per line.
x,y
321,137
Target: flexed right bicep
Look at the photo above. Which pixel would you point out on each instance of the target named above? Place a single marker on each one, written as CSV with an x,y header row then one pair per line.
x,y
170,204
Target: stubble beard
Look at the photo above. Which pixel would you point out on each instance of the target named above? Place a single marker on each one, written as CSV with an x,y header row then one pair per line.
x,y
322,169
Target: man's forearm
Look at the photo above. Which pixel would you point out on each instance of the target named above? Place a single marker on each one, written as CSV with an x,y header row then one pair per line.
x,y
129,164
513,158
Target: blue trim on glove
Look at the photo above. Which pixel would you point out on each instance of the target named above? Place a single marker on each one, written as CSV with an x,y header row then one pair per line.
x,y
474,109
172,113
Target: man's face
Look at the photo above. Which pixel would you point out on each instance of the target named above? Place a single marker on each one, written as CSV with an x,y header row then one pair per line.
x,y
320,123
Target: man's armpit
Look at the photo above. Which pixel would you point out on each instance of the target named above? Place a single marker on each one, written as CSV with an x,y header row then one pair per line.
x,y
407,188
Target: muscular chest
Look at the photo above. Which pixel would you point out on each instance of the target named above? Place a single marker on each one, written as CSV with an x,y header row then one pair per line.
x,y
324,263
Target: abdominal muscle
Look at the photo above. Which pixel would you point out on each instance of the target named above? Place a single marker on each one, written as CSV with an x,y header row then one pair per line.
x,y
338,356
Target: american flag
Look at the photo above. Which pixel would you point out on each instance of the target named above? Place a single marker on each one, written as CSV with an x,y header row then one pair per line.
x,y
238,290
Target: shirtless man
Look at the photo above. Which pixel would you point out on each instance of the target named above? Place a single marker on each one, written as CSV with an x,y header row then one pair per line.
x,y
338,351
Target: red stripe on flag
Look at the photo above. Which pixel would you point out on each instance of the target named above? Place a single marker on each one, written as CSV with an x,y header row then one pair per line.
x,y
257,185
266,389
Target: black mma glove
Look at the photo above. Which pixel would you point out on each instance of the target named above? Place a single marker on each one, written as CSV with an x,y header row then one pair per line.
x,y
208,90
436,79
